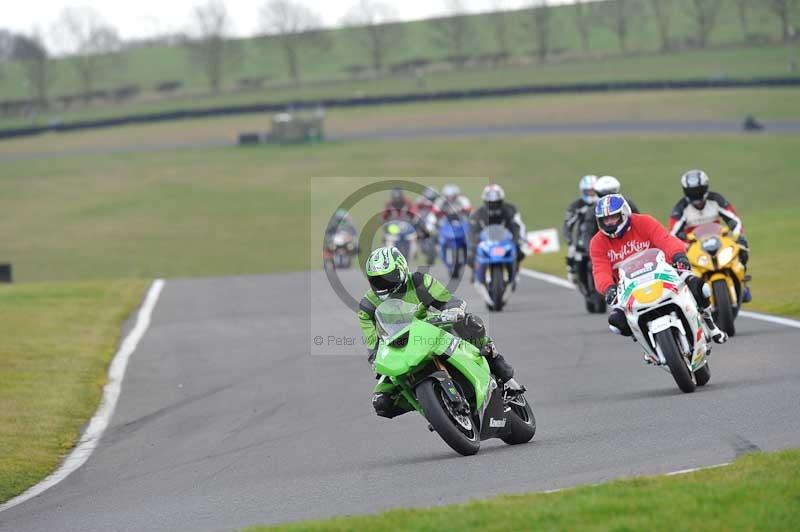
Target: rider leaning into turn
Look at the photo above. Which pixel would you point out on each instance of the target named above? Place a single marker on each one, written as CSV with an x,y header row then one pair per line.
x,y
623,234
699,206
495,210
389,277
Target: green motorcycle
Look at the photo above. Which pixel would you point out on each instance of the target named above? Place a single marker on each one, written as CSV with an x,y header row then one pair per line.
x,y
426,368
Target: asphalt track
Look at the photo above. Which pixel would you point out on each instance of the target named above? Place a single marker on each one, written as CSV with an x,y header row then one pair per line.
x,y
220,140
230,415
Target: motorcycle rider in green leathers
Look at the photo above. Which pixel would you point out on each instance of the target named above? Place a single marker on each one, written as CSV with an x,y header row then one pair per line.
x,y
389,277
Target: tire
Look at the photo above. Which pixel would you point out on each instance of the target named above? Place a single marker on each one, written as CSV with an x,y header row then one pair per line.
x,y
590,307
722,302
677,365
497,285
702,375
523,422
429,394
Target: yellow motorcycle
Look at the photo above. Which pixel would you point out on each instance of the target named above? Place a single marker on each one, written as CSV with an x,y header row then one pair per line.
x,y
714,255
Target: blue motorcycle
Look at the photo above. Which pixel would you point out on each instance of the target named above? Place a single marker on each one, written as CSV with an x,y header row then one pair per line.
x,y
453,244
496,268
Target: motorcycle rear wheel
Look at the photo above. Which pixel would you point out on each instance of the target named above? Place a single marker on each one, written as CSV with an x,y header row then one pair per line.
x,y
702,375
675,361
522,421
432,398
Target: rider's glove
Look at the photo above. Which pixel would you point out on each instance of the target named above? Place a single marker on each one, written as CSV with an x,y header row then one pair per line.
x,y
453,314
611,295
681,263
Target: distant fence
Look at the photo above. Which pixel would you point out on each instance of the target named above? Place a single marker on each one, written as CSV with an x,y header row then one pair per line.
x,y
181,114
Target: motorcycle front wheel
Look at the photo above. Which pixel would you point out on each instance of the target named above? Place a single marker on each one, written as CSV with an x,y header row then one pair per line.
x,y
675,361
458,431
497,286
724,310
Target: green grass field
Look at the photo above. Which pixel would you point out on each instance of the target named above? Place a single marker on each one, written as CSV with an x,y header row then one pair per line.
x,y
58,339
758,492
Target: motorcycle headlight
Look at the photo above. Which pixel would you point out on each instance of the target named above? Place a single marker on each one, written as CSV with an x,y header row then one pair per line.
x,y
725,256
711,245
649,293
703,260
498,251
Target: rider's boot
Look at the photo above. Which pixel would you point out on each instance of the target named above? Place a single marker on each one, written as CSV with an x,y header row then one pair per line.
x,y
385,407
718,335
497,364
746,296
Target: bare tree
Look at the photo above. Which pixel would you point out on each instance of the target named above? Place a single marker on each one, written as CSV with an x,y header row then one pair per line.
x,y
297,28
375,29
36,63
783,10
90,44
499,21
704,13
742,8
583,22
209,44
541,24
618,16
661,10
453,32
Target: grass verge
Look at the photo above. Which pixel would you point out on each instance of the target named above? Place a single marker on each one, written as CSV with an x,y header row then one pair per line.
x,y
58,339
757,492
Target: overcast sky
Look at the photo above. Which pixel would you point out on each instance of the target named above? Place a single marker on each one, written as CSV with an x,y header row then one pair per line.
x,y
145,18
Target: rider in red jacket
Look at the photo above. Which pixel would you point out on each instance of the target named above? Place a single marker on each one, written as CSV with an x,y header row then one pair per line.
x,y
623,234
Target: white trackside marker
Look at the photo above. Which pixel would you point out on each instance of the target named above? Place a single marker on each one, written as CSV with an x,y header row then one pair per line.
x,y
552,279
97,425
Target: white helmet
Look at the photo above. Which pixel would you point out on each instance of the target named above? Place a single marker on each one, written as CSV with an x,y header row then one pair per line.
x,y
607,185
451,191
586,187
493,197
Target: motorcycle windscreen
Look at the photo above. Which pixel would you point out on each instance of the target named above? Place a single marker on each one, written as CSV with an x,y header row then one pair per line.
x,y
495,233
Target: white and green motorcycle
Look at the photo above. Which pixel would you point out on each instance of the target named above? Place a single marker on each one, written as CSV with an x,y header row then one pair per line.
x,y
664,318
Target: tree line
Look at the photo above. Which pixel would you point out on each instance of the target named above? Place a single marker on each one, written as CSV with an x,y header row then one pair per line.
x,y
93,48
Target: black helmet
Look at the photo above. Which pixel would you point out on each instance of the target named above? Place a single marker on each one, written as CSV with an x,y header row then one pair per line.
x,y
397,198
430,194
695,187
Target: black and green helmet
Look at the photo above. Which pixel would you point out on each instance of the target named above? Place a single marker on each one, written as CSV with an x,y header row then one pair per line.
x,y
387,271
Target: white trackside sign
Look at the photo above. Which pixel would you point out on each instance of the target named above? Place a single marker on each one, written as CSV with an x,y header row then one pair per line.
x,y
542,241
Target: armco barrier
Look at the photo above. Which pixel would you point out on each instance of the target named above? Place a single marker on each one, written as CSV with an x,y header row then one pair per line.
x,y
181,114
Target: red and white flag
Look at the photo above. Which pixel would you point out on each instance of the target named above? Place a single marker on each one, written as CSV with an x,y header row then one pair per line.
x,y
544,241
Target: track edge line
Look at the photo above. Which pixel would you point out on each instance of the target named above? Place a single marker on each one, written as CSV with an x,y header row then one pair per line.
x,y
99,422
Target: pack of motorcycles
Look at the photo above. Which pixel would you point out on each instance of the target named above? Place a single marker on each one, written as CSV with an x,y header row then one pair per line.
x,y
448,382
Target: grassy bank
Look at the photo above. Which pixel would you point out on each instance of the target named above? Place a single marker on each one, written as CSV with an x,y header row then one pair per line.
x,y
735,63
58,339
758,492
